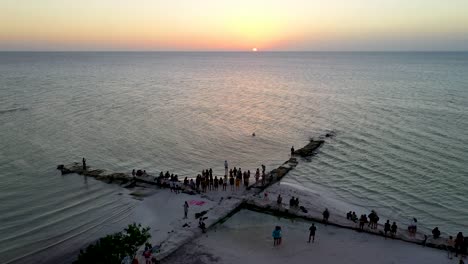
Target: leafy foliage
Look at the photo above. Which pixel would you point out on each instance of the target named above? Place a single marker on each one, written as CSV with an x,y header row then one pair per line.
x,y
113,248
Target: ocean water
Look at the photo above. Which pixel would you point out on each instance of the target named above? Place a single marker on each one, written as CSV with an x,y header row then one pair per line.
x,y
401,124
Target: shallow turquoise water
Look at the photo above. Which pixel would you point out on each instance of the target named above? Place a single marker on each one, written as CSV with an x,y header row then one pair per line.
x,y
400,119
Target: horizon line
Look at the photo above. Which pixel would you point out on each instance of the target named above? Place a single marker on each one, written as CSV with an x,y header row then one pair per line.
x,y
243,51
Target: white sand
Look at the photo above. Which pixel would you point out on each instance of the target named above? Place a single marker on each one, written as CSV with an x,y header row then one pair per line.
x,y
246,238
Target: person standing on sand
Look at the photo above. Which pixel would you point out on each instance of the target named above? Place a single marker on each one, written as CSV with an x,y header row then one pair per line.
x,y
226,167
393,230
84,163
231,182
279,200
450,247
186,207
276,236
386,228
292,151
326,215
312,230
458,244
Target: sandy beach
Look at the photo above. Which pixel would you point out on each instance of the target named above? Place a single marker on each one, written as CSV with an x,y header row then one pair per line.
x,y
246,235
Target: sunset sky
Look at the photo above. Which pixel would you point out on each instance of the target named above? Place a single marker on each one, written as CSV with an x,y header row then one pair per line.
x,y
237,25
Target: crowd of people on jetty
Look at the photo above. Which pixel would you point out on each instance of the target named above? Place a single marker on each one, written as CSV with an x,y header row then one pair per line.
x,y
234,177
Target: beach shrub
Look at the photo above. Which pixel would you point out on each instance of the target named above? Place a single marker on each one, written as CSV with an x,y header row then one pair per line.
x,y
113,248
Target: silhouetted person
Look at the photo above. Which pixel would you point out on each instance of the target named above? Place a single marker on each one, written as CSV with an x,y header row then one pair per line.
x,y
292,151
84,163
225,167
312,230
386,228
279,200
186,207
394,229
436,233
326,215
459,243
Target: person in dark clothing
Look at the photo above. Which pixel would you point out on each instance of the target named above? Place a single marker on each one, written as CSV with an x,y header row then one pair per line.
x,y
393,229
326,215
386,228
423,243
362,222
296,202
348,215
279,200
459,244
84,163
292,151
291,202
436,233
312,230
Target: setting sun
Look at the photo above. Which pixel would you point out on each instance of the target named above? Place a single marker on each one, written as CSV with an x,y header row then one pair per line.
x,y
254,49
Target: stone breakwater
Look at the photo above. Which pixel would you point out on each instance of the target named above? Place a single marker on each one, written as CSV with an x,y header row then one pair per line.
x,y
226,207
129,181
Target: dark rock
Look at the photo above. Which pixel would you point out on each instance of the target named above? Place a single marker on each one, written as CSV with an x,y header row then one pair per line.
x,y
309,149
202,213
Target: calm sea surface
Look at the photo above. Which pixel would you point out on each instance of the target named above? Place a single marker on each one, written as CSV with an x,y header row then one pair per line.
x,y
401,123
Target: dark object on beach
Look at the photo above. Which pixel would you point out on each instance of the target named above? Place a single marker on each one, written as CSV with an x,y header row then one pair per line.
x,y
309,149
303,209
139,173
253,134
200,214
201,224
292,151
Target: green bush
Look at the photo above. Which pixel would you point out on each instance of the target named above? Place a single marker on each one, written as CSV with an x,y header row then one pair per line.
x,y
113,248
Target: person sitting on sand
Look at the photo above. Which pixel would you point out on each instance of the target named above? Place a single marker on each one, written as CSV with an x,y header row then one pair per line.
x,y
435,233
393,230
201,225
387,228
326,215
